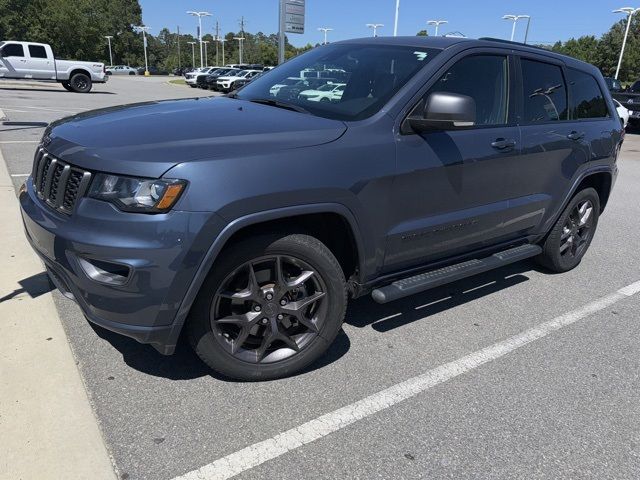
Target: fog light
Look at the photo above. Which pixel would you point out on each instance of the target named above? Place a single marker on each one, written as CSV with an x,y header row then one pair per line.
x,y
108,273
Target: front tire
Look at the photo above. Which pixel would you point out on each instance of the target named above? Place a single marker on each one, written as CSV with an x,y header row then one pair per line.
x,y
571,236
80,83
270,306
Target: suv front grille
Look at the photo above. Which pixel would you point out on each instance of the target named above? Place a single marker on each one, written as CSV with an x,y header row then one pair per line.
x,y
56,182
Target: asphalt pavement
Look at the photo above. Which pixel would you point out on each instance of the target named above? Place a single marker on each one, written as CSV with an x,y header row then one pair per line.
x,y
485,403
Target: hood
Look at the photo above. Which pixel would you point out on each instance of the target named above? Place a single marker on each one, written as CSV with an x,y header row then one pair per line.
x,y
148,139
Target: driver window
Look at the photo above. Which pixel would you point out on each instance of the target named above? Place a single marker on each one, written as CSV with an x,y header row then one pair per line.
x,y
12,50
485,78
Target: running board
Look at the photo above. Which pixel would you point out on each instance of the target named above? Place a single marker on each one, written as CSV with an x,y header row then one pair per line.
x,y
435,278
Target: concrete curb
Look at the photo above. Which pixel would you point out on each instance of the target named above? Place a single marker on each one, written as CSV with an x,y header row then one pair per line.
x,y
47,424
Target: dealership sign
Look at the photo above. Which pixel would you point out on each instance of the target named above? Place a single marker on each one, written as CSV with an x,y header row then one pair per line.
x,y
293,13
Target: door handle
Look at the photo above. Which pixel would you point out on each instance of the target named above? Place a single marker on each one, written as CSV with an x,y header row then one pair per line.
x,y
575,135
503,144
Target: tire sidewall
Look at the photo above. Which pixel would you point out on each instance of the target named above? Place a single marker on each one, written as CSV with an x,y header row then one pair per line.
x,y
303,247
87,89
551,250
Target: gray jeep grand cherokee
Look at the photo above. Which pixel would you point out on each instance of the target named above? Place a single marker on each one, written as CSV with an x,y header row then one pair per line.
x,y
249,221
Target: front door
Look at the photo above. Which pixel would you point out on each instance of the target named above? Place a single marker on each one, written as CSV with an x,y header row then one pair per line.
x,y
12,61
450,194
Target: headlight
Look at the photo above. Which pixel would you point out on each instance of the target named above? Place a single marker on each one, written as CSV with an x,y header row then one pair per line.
x,y
137,194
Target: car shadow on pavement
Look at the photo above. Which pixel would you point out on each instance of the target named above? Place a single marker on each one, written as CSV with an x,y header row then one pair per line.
x,y
184,363
382,318
53,90
34,286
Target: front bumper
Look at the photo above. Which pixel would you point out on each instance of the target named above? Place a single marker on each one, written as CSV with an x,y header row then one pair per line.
x,y
162,253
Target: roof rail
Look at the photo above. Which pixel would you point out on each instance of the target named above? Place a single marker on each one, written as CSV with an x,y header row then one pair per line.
x,y
509,42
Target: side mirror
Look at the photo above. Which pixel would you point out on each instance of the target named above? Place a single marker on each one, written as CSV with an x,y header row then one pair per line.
x,y
445,111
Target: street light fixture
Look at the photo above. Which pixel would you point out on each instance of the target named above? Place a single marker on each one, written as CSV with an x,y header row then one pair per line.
x,y
200,15
375,27
514,19
325,30
109,37
193,53
240,40
629,11
437,23
144,30
206,58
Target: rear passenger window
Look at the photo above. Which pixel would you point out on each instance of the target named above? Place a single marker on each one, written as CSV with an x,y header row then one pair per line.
x,y
13,50
587,100
545,92
485,78
37,51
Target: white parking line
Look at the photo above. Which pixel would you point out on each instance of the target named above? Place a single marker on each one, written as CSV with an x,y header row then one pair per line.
x,y
9,142
20,174
261,452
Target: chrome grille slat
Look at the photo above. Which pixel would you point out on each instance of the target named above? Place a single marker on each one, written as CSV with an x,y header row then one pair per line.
x,y
58,183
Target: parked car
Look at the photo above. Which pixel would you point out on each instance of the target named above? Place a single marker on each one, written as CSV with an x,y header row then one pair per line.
x,y
191,78
201,80
287,82
211,80
623,113
329,92
613,85
630,99
250,221
120,70
238,84
35,61
153,71
227,82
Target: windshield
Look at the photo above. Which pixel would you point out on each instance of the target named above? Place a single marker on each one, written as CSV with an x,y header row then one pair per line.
x,y
635,87
371,75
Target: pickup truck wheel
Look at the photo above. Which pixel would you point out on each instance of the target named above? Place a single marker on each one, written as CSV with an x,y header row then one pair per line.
x,y
67,86
271,305
132,73
80,83
571,236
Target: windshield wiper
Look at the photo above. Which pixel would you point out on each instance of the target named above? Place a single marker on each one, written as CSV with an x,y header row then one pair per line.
x,y
279,104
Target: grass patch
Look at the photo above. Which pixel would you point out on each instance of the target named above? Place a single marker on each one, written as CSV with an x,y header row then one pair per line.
x,y
179,81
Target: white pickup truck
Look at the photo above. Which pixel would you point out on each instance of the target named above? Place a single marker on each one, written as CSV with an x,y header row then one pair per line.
x,y
35,61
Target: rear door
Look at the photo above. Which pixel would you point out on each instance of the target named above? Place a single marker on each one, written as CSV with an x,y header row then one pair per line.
x,y
563,119
40,65
450,194
13,61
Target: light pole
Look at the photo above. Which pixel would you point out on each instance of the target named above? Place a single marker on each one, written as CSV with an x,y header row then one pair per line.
x,y
240,40
109,37
514,19
437,23
206,58
395,25
222,41
629,11
193,53
375,27
144,31
325,30
200,15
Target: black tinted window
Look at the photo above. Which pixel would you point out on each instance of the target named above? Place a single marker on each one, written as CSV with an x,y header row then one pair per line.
x,y
12,50
545,93
635,88
37,51
586,97
485,78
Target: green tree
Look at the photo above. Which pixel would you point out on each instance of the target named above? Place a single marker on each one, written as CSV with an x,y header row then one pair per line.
x,y
422,33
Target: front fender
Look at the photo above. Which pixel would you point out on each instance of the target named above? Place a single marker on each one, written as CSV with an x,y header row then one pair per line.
x,y
245,221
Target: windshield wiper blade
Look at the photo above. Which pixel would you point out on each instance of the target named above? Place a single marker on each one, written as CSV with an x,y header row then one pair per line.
x,y
279,104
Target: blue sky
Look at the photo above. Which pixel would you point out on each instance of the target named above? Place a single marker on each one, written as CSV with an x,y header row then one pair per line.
x,y
551,20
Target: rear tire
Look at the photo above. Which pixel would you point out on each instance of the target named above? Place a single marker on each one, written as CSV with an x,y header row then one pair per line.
x,y
67,86
80,83
571,236
243,330
132,73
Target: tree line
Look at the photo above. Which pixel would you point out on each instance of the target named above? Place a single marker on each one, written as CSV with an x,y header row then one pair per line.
x,y
77,30
604,52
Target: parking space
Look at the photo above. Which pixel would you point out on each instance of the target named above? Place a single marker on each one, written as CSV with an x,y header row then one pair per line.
x,y
486,403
